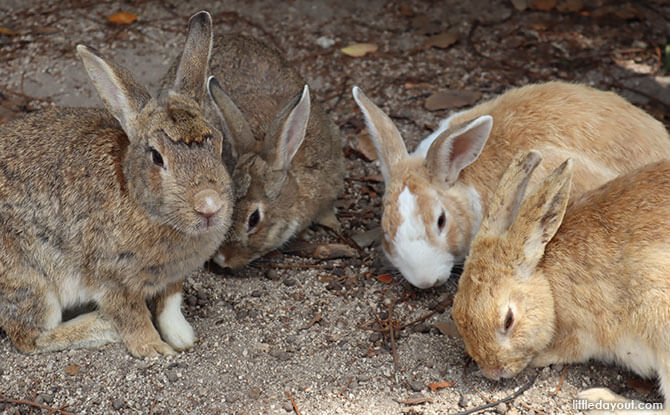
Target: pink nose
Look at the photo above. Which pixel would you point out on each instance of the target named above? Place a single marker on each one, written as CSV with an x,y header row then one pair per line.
x,y
207,203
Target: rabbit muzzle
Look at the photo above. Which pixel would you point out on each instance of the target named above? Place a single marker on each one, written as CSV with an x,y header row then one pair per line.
x,y
207,203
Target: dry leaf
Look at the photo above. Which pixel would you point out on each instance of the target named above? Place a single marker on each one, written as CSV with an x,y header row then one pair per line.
x,y
543,5
367,238
570,6
332,251
640,385
417,401
5,31
443,40
72,369
451,99
448,328
385,278
359,49
440,385
413,85
122,18
366,147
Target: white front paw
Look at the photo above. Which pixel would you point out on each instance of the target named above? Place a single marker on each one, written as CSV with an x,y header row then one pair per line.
x,y
174,328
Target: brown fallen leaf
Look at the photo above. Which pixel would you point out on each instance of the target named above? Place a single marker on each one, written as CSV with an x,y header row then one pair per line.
x,y
385,278
413,85
448,328
443,40
440,385
72,369
543,5
359,49
366,147
122,18
332,251
644,386
5,31
417,401
368,238
451,99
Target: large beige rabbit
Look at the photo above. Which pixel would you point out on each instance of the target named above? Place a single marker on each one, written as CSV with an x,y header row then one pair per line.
x,y
435,197
600,289
288,161
114,207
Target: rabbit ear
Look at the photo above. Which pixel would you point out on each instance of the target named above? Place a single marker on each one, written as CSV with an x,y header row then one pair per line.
x,y
540,216
192,69
453,150
122,95
505,202
385,135
233,123
287,132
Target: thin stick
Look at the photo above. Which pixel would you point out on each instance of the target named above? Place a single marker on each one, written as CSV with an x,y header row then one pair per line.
x,y
3,398
295,407
560,383
345,386
506,399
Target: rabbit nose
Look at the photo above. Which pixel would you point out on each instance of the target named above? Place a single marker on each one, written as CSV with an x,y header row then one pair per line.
x,y
207,203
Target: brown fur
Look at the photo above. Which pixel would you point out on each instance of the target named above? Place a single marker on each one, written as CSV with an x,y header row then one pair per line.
x,y
88,215
599,290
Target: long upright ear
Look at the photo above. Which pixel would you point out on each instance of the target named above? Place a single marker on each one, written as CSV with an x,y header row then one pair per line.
x,y
506,200
457,147
541,214
287,132
233,123
385,135
122,95
192,69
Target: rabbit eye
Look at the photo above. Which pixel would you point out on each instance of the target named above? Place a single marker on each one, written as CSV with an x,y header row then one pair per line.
x,y
254,218
441,221
509,320
157,158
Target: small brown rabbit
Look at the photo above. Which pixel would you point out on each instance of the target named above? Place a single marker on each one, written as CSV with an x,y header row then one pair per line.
x,y
114,207
435,197
289,164
600,289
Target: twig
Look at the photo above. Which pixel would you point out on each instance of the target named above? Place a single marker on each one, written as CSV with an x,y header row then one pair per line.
x,y
480,393
345,386
32,404
153,406
530,408
560,383
315,320
295,406
506,399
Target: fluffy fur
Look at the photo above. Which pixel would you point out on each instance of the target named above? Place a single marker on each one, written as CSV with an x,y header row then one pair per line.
x,y
113,207
457,167
288,164
600,289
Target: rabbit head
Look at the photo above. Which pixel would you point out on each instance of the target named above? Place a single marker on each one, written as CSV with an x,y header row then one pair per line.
x,y
172,165
504,307
265,186
429,216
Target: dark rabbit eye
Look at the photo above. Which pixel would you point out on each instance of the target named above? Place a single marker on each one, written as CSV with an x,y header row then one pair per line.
x,y
254,218
156,157
441,221
509,320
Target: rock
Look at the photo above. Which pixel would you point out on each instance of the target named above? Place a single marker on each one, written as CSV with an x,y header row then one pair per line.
x,y
172,376
254,393
257,293
271,274
501,408
324,42
46,398
416,385
367,238
288,406
118,403
290,282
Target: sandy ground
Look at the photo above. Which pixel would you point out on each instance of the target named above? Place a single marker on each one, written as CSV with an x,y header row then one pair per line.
x,y
290,334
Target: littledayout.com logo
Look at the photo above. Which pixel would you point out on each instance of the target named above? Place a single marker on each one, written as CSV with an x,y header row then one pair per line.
x,y
586,405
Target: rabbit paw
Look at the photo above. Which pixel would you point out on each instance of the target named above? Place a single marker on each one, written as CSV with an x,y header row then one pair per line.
x,y
151,349
174,328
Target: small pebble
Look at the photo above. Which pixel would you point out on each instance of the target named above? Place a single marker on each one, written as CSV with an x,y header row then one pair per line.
x,y
415,385
172,376
325,42
501,408
422,328
333,286
288,406
118,403
257,293
191,300
463,402
44,398
254,393
290,282
375,337
271,274
233,397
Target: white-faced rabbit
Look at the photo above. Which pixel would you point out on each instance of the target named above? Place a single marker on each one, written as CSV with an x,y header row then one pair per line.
x,y
289,164
600,289
114,207
435,197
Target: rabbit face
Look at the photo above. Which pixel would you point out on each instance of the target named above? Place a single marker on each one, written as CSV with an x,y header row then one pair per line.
x,y
505,320
259,218
174,169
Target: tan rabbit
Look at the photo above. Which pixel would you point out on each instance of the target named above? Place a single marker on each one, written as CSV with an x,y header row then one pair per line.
x,y
288,164
114,207
435,197
600,289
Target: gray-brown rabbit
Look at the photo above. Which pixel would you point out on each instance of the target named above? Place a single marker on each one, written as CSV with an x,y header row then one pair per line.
x,y
288,152
114,207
